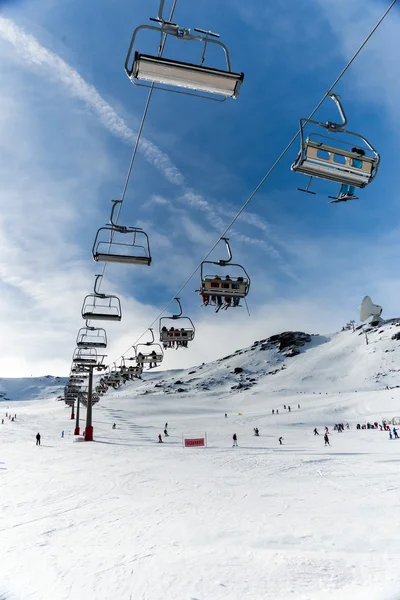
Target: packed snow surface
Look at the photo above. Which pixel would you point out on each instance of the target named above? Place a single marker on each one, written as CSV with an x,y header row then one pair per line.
x,y
127,518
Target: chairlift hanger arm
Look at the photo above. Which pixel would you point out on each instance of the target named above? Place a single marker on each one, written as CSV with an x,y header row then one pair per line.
x,y
340,108
180,309
95,291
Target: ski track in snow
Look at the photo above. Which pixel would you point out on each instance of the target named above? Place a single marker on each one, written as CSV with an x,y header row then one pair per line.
x,y
127,518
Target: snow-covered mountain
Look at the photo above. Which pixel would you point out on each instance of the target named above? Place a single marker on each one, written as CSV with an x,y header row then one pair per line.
x,y
30,388
292,362
264,521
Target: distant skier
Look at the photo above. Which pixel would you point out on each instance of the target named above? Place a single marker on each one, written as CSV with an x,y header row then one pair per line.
x,y
234,437
326,429
298,406
62,434
38,439
166,432
280,441
284,406
289,409
114,426
316,431
390,435
160,439
396,436
273,412
277,411
326,439
256,432
226,415
166,426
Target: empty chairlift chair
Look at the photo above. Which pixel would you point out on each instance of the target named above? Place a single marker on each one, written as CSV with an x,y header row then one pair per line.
x,y
103,307
85,357
181,334
352,161
224,291
120,244
149,354
167,74
91,337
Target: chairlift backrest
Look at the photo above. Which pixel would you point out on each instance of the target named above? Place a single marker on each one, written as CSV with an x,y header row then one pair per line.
x,y
233,287
326,161
177,335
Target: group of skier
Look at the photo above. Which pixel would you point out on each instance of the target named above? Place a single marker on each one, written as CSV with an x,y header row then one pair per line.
x,y
275,411
9,417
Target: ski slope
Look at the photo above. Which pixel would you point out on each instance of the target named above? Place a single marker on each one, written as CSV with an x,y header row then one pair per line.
x,y
128,518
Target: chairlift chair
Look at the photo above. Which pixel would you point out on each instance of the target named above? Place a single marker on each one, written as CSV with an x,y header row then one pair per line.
x,y
166,74
132,371
91,337
231,288
148,353
327,157
102,307
85,356
119,244
179,335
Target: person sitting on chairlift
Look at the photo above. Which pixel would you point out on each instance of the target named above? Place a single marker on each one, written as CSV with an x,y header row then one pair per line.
x,y
153,357
164,334
171,342
347,191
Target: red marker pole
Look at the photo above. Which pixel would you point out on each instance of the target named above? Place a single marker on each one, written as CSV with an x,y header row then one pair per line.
x,y
72,410
89,426
77,430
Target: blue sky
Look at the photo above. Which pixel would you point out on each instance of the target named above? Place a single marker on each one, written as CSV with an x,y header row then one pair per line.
x,y
68,120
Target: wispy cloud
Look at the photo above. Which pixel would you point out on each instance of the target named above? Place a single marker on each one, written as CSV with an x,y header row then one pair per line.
x,y
37,56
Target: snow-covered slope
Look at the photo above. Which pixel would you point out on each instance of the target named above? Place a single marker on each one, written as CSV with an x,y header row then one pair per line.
x,y
128,518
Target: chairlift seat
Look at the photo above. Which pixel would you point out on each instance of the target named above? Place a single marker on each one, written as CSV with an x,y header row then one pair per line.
x,y
155,69
85,360
335,164
122,258
148,358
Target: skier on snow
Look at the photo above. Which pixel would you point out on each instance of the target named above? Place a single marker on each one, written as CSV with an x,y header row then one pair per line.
x,y
38,439
234,437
